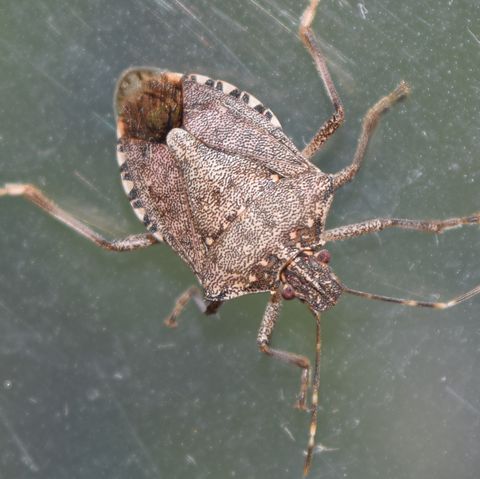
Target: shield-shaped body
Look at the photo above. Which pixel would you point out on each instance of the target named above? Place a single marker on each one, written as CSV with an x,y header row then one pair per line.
x,y
208,169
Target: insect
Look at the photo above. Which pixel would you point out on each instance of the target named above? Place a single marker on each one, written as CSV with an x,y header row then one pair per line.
x,y
208,169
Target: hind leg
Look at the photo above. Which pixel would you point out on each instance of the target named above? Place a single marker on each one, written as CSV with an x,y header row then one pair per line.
x,y
34,195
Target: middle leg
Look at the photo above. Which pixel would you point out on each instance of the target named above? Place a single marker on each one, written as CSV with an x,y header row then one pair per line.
x,y
379,224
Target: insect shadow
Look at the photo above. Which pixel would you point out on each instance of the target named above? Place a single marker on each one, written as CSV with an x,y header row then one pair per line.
x,y
208,169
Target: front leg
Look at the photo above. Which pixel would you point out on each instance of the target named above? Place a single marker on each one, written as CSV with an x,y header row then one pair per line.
x,y
370,121
264,337
379,224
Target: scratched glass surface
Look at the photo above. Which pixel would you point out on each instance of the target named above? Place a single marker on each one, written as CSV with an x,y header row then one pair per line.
x,y
91,382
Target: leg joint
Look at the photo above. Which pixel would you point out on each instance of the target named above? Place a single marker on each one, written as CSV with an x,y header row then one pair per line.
x,y
263,346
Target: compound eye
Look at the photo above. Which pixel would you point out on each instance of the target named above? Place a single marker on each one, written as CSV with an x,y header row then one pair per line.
x,y
288,292
324,256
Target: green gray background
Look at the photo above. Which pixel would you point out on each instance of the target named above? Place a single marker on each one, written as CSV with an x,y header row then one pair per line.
x,y
92,385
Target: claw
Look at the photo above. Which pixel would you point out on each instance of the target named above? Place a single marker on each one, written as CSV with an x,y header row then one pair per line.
x,y
170,322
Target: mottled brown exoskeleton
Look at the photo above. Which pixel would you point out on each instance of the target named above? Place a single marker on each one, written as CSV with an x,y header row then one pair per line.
x,y
208,169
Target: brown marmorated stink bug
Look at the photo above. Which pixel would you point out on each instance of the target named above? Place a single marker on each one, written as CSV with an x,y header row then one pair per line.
x,y
208,169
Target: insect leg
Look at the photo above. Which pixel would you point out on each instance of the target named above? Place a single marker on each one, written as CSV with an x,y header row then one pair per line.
x,y
33,194
369,124
379,224
192,293
308,38
264,336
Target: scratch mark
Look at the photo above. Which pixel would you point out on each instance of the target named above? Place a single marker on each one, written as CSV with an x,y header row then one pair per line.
x,y
102,120
164,5
91,186
215,37
363,10
189,12
284,13
380,6
75,14
159,14
319,448
425,22
134,434
288,432
26,457
52,79
468,405
53,28
225,18
273,17
18,55
473,35
7,309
